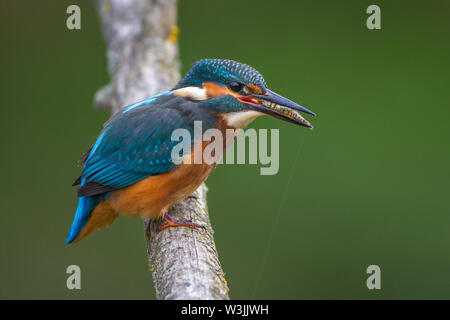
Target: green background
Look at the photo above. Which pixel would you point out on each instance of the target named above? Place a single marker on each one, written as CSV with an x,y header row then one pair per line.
x,y
369,185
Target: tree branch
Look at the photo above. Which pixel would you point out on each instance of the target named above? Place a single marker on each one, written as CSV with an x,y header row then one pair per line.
x,y
141,37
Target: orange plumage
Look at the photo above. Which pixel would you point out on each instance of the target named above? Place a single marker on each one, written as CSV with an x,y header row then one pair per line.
x,y
150,197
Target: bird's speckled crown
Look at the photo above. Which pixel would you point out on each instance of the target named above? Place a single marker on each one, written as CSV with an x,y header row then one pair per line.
x,y
222,71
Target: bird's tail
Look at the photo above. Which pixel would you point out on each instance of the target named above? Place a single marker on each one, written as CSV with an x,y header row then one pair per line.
x,y
92,213
85,207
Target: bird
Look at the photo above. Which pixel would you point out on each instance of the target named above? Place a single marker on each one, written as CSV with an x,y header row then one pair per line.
x,y
129,169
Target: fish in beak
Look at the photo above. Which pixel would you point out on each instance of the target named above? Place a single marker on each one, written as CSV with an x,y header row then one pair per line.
x,y
277,106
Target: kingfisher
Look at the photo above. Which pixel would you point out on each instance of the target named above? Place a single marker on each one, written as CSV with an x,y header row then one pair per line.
x,y
129,169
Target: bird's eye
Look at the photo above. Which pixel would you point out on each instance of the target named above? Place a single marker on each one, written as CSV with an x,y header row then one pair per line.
x,y
235,86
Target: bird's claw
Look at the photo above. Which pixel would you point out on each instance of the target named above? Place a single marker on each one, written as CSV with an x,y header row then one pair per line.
x,y
172,222
192,196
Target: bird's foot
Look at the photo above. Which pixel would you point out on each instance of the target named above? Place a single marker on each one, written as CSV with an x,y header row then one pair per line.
x,y
192,196
172,222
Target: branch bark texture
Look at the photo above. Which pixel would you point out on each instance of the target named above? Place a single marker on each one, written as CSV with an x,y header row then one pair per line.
x,y
142,51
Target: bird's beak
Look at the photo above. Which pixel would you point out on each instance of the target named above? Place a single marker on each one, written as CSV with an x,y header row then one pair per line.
x,y
277,106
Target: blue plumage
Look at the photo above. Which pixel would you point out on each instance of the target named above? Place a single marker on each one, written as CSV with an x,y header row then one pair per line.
x,y
84,209
221,71
134,144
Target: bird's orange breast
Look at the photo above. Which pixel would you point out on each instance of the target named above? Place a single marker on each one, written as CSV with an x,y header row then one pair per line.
x,y
154,195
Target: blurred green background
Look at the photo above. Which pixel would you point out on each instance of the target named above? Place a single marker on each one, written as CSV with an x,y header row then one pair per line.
x,y
369,185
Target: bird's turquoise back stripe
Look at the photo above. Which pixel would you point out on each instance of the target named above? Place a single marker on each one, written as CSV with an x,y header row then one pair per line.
x,y
97,143
143,102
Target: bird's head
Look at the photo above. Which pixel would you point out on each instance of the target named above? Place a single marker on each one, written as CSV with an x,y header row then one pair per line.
x,y
237,91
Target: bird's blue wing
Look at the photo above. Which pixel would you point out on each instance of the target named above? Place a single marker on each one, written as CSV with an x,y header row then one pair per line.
x,y
135,143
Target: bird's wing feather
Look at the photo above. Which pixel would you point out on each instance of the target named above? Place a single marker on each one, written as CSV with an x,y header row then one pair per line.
x,y
135,143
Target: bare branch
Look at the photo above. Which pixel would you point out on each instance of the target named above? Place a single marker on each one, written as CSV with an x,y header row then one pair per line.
x,y
141,37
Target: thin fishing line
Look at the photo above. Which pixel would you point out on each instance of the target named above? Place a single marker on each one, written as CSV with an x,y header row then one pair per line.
x,y
277,218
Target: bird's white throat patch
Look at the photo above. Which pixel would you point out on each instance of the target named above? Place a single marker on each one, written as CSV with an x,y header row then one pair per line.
x,y
194,93
241,119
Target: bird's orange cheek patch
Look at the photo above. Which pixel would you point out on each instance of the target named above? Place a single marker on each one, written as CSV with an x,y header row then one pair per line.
x,y
214,90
